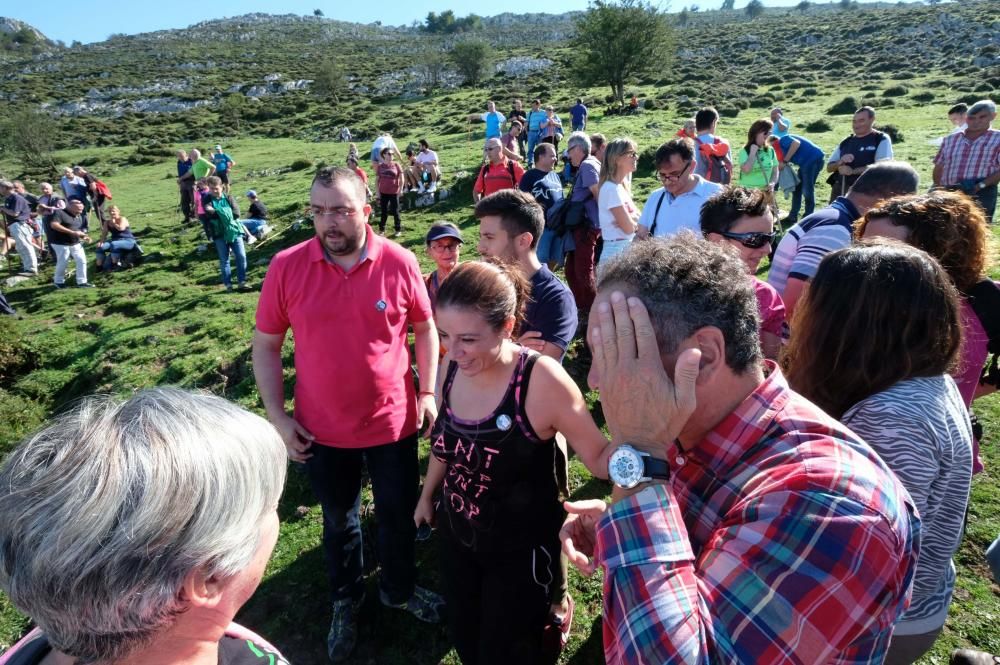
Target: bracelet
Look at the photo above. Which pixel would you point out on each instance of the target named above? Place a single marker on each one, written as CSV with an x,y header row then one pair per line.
x,y
426,392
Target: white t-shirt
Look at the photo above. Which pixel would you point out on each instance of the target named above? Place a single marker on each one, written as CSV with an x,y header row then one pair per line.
x,y
613,195
427,156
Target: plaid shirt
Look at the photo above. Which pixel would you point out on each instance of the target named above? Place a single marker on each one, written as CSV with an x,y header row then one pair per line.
x,y
963,159
780,538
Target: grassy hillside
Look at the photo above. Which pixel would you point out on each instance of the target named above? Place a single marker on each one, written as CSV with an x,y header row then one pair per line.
x,y
170,322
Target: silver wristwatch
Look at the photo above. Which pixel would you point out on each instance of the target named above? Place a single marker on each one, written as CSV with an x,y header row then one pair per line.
x,y
628,467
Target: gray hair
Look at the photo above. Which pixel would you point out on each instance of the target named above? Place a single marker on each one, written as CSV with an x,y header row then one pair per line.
x,y
983,105
106,511
6,184
688,283
578,139
886,179
195,153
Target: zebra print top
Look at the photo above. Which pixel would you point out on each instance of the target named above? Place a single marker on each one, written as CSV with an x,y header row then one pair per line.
x,y
920,427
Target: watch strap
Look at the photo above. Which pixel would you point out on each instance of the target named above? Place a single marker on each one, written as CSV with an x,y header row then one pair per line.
x,y
656,468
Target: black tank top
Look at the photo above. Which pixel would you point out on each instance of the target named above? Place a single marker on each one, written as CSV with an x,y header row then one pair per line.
x,y
499,491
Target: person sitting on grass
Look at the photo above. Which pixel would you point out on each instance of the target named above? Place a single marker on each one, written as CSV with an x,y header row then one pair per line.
x,y
109,252
256,224
225,230
133,531
444,246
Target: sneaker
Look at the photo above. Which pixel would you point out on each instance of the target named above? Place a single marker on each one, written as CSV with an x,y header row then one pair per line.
x,y
243,286
28,273
421,189
343,635
973,657
397,234
251,239
264,230
86,285
59,286
229,287
432,188
423,604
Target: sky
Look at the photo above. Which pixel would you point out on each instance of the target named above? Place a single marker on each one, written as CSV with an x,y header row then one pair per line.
x,y
95,20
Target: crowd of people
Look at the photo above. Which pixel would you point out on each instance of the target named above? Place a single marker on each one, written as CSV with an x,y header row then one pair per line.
x,y
790,459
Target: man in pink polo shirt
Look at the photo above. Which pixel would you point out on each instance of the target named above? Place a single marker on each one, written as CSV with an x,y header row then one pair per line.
x,y
349,296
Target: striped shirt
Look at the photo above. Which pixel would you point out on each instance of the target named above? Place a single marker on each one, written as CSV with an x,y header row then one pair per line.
x,y
921,429
805,244
780,538
963,159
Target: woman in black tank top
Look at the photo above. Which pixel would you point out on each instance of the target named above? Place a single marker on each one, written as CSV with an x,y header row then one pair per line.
x,y
492,468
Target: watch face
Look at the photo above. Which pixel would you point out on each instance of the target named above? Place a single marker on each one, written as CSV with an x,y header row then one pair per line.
x,y
625,467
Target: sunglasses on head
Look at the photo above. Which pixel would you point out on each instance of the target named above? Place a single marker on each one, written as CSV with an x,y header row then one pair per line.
x,y
749,240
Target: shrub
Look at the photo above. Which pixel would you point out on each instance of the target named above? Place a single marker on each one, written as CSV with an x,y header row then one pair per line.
x,y
646,159
818,126
300,164
892,131
983,87
846,106
762,102
728,111
926,96
896,91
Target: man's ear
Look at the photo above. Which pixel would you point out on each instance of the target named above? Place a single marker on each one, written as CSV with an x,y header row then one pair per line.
x,y
713,351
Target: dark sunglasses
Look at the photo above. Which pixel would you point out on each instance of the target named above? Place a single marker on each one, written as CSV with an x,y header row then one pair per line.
x,y
749,240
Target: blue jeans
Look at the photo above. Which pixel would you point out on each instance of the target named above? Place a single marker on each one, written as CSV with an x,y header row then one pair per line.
x,y
987,198
993,559
253,226
533,136
808,173
335,477
115,247
223,248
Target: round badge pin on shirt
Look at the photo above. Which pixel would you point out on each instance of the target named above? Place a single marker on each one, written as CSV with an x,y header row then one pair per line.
x,y
504,422
380,305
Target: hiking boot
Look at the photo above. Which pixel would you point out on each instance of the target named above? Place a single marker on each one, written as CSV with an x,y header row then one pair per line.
x,y
86,285
244,286
343,635
423,604
973,657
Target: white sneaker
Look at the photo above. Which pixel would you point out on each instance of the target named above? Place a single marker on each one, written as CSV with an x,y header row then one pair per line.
x,y
421,190
264,230
432,188
251,240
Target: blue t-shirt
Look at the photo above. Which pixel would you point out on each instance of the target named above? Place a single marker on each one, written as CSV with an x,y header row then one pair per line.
x,y
221,161
578,113
551,309
183,167
544,186
493,122
536,118
807,152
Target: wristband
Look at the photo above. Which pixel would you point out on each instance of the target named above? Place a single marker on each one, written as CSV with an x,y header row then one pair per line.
x,y
426,392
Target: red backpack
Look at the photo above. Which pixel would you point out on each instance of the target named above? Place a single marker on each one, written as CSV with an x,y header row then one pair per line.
x,y
716,156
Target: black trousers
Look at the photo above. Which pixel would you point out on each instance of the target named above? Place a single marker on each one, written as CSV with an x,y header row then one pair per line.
x,y
390,206
187,199
498,602
335,477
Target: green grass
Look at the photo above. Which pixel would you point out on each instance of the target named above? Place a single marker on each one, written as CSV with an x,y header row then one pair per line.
x,y
170,322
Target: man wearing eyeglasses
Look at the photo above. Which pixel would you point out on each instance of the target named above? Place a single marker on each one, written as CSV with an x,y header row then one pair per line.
x,y
349,297
804,245
497,173
676,206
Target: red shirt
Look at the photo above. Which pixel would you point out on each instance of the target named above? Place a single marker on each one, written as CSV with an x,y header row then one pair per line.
x,y
353,382
494,177
389,178
361,173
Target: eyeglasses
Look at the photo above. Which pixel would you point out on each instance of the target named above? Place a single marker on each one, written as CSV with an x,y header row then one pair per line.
x,y
749,240
632,153
448,248
339,213
666,177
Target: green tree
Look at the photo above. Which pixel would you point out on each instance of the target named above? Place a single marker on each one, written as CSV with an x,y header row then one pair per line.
x,y
472,59
728,5
803,6
432,63
26,134
617,41
330,81
317,12
233,108
754,9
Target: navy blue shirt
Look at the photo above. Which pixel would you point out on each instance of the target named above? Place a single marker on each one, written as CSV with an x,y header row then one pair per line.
x,y
545,186
183,167
551,310
578,113
19,205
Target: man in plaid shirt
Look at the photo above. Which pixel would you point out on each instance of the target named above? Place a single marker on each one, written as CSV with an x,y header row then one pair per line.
x,y
970,161
762,530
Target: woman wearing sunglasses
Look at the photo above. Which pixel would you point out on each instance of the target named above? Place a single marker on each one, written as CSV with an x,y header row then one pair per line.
x,y
616,211
742,218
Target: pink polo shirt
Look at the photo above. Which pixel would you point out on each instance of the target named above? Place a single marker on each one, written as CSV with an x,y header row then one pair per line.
x,y
353,382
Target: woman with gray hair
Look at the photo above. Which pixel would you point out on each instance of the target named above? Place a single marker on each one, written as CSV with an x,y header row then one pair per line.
x,y
134,531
